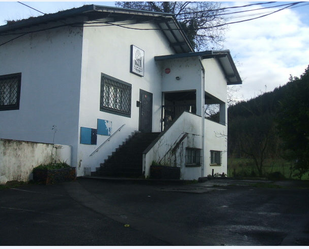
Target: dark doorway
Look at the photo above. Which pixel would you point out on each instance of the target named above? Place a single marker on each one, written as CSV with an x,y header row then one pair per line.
x,y
145,112
175,103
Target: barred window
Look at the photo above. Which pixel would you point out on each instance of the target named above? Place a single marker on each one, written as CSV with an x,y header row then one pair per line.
x,y
215,158
10,91
115,96
193,157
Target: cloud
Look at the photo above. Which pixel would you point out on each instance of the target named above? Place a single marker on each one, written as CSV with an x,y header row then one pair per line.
x,y
267,50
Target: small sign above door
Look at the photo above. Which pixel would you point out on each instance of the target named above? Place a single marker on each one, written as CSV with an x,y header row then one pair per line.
x,y
137,61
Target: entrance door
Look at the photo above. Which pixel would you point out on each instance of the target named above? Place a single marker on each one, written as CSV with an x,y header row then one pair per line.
x,y
145,112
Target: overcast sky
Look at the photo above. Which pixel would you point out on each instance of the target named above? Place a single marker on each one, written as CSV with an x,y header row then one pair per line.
x,y
266,51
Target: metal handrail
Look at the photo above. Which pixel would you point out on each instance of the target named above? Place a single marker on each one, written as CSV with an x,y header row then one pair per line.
x,y
107,140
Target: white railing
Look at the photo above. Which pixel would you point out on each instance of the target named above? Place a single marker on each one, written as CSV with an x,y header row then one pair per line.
x,y
107,140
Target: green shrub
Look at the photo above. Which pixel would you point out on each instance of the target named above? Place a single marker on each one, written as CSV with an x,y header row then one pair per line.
x,y
54,173
51,166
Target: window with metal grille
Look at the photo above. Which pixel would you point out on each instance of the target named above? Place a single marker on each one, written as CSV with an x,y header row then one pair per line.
x,y
115,96
193,157
215,158
10,91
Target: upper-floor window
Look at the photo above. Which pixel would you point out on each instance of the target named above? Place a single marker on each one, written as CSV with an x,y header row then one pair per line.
x,y
10,91
115,96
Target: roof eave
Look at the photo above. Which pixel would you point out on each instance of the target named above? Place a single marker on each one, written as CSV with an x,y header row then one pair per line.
x,y
166,22
46,18
223,57
227,64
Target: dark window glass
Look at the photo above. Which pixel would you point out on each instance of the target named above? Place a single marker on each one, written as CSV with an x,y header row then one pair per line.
x,y
115,96
10,91
215,157
193,157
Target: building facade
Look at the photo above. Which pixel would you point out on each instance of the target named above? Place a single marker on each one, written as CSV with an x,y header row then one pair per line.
x,y
90,77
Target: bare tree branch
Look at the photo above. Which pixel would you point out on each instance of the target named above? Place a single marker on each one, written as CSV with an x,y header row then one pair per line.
x,y
200,20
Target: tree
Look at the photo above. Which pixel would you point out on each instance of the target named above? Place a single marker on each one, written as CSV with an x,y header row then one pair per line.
x,y
293,123
253,137
199,20
252,132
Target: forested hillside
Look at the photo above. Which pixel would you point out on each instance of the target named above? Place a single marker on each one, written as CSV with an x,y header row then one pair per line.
x,y
272,128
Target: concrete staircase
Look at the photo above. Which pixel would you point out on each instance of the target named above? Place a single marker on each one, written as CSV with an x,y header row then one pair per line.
x,y
127,160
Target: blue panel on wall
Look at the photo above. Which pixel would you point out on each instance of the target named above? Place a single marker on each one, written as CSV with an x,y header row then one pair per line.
x,y
88,135
104,127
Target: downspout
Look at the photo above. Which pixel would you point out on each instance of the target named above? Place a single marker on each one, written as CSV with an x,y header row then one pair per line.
x,y
203,117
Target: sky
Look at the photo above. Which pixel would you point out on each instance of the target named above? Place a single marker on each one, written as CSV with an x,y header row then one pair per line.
x,y
266,51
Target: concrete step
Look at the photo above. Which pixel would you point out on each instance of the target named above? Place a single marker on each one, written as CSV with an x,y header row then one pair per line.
x,y
126,160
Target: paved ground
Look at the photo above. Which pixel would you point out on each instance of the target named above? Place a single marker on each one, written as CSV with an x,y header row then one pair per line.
x,y
102,212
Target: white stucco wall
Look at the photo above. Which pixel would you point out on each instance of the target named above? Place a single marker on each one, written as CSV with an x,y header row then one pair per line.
x,y
18,158
189,71
107,50
215,134
185,132
61,76
215,139
50,63
215,82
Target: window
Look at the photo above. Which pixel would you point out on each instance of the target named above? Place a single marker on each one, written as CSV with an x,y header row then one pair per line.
x,y
215,158
193,157
115,96
10,91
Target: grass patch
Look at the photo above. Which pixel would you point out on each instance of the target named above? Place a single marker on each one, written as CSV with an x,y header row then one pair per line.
x,y
278,168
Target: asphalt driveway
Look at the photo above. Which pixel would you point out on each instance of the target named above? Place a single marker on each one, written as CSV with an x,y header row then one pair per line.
x,y
105,212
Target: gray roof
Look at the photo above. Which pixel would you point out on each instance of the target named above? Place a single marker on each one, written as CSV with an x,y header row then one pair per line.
x,y
165,22
223,57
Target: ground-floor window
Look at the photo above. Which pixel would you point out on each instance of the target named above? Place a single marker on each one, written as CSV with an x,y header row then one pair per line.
x,y
193,157
10,91
215,158
115,96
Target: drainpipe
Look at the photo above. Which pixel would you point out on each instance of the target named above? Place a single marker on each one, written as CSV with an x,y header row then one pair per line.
x,y
203,117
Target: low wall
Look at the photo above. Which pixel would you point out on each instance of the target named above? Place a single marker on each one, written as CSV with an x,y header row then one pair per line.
x,y
18,158
170,148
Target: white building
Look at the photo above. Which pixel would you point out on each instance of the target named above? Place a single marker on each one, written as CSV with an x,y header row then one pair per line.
x,y
89,77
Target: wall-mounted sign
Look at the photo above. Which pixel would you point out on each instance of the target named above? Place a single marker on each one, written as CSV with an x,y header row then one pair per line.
x,y
137,61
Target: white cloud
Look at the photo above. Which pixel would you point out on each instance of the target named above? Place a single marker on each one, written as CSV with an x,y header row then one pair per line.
x,y
267,50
